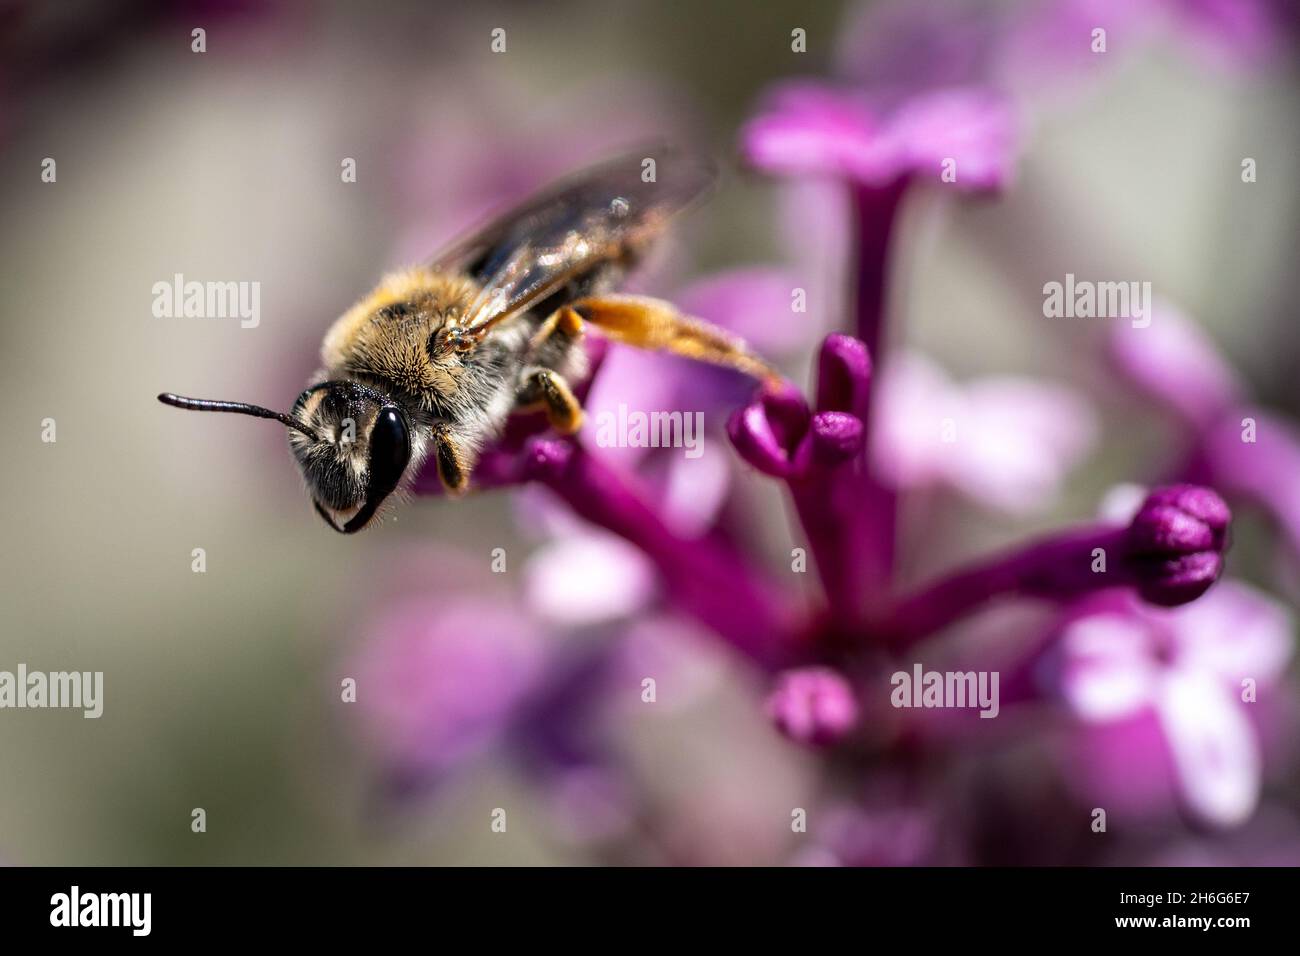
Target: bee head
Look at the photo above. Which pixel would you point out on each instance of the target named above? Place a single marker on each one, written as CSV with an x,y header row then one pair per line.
x,y
354,453
352,442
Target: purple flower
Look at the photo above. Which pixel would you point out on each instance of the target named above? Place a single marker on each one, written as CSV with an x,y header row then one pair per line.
x,y
1053,44
1173,363
755,303
1261,471
1171,684
813,130
812,705
961,137
1235,34
1005,442
587,578
439,680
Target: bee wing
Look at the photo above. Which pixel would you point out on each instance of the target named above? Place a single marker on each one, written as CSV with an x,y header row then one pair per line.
x,y
603,216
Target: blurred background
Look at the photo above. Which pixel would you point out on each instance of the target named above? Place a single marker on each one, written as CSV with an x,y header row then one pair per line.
x,y
522,690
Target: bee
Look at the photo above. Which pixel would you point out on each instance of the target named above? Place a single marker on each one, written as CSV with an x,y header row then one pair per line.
x,y
430,365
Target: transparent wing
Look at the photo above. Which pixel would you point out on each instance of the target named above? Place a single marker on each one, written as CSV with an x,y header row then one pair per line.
x,y
603,216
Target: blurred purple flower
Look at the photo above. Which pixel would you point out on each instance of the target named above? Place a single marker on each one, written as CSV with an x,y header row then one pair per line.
x,y
587,578
1174,364
1246,451
806,129
813,705
1234,34
755,303
438,680
1005,442
1170,685
863,132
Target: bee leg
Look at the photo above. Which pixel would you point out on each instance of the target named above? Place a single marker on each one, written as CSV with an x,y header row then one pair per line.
x,y
452,468
555,343
655,324
546,387
563,322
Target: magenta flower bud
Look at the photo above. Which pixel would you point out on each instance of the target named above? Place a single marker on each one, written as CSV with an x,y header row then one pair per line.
x,y
767,432
786,409
756,441
813,705
833,438
843,375
1176,543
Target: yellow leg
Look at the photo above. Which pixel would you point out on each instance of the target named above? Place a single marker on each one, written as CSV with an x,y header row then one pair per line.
x,y
655,324
549,389
563,321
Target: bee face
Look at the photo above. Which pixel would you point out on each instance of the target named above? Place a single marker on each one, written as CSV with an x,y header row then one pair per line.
x,y
355,453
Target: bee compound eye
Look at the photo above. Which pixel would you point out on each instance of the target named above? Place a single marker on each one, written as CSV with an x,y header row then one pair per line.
x,y
390,450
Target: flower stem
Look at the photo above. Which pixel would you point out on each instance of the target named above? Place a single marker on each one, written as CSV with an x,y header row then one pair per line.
x,y
1171,552
706,577
876,212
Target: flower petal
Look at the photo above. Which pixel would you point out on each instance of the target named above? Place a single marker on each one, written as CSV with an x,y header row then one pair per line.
x,y
915,397
587,579
1213,745
1018,442
1106,674
1173,361
1235,632
754,303
810,129
973,128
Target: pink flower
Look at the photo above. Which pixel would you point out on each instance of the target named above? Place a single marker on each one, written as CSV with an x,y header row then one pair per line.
x,y
439,679
588,578
814,129
813,705
1005,442
1174,362
1161,692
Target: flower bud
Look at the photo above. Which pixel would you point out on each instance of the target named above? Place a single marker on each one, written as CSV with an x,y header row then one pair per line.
x,y
813,705
1176,543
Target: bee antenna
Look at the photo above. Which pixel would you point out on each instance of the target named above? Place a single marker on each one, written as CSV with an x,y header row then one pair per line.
x,y
238,408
